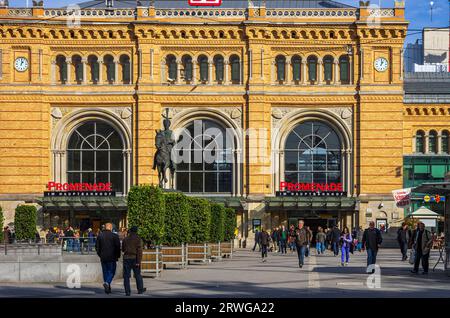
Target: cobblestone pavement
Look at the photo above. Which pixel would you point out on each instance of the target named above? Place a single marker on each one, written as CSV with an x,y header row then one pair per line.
x,y
246,276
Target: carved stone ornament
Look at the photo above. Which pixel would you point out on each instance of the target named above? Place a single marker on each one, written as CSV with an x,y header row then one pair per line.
x,y
56,113
236,113
277,113
346,113
126,113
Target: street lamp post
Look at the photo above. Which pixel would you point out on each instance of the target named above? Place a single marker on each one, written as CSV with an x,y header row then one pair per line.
x,y
431,10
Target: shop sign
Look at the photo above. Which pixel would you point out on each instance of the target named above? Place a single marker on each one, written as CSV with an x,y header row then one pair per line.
x,y
300,189
205,3
436,198
57,189
402,197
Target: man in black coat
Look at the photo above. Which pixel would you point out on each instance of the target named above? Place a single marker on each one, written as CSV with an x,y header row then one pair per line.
x,y
403,238
108,249
335,238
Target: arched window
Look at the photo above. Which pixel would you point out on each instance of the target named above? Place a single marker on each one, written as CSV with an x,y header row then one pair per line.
x,y
219,66
432,142
312,69
296,68
444,141
313,153
205,163
95,154
188,67
62,68
328,68
344,67
172,68
126,69
110,69
235,69
420,142
95,68
204,65
280,62
78,66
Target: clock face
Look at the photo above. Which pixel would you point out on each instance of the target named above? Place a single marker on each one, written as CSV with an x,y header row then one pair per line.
x,y
381,64
21,64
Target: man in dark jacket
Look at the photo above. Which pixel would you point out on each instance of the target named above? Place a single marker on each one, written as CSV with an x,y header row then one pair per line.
x,y
422,242
132,257
264,239
335,237
108,249
257,240
403,238
302,240
371,242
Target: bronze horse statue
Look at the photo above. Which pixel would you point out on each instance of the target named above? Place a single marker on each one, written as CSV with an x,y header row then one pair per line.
x,y
164,143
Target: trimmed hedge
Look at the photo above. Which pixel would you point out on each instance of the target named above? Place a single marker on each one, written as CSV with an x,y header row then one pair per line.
x,y
177,229
2,219
146,209
230,224
199,220
217,223
25,222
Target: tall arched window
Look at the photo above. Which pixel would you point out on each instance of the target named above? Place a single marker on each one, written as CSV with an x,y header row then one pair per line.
x,y
280,62
95,154
420,142
219,67
328,68
444,141
235,69
313,153
203,64
296,68
312,69
432,142
344,67
171,62
78,67
95,68
62,68
205,150
188,67
110,69
126,69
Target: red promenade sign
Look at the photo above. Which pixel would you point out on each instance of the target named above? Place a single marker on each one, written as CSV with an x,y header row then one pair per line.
x,y
79,187
311,187
205,3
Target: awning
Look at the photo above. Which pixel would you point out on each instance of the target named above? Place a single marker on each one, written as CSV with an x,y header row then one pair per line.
x,y
83,203
441,188
311,203
424,212
229,202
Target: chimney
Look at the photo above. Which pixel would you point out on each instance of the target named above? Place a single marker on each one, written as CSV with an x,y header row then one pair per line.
x,y
109,3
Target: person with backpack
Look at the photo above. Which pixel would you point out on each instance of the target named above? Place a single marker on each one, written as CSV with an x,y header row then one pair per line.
x,y
403,238
346,242
371,242
265,241
302,240
422,243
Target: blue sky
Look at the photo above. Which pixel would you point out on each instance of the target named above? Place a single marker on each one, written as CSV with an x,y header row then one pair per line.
x,y
417,12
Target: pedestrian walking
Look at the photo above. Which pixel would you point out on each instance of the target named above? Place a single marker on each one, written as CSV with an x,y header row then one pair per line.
x,y
302,241
132,257
283,234
371,242
320,241
292,237
257,240
346,242
265,241
422,243
359,236
403,239
68,234
91,240
108,249
6,235
335,237
275,240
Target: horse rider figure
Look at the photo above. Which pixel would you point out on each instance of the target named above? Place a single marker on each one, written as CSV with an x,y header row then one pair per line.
x,y
164,142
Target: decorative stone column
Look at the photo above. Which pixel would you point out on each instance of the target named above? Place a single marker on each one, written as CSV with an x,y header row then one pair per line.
x,y
116,71
336,72
194,72
69,64
227,69
179,64
100,71
287,67
320,71
84,61
210,76
304,71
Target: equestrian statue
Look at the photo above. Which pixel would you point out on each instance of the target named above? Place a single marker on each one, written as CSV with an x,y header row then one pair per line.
x,y
164,142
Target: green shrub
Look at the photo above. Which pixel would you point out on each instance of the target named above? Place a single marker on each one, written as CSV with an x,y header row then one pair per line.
x,y
199,220
230,224
217,223
146,209
177,230
2,219
25,222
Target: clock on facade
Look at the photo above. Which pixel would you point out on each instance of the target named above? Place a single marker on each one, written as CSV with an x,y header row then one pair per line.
x,y
21,64
381,64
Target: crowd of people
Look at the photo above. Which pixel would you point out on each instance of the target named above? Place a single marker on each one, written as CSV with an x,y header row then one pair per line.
x,y
344,243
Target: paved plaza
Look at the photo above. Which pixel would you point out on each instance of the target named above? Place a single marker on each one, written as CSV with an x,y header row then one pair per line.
x,y
246,276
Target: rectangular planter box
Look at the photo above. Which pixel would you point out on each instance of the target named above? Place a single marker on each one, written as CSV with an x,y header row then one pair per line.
x,y
152,262
216,253
198,253
174,256
226,248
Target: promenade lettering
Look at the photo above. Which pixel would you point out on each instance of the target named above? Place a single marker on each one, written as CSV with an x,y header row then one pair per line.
x,y
311,187
79,187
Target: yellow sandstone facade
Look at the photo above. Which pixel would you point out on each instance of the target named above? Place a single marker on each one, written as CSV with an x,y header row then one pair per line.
x,y
118,68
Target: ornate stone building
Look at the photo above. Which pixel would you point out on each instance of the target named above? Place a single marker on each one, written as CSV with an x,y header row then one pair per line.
x,y
307,91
